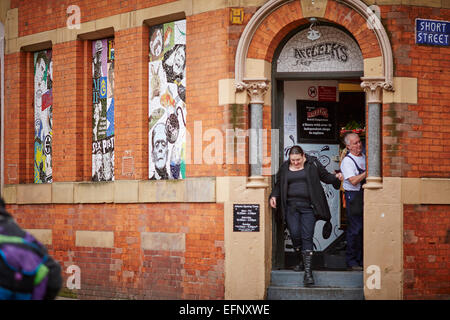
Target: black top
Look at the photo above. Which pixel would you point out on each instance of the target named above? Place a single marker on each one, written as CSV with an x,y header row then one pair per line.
x,y
315,173
297,186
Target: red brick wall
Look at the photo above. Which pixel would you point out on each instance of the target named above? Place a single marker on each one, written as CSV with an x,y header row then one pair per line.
x,y
19,118
38,16
416,136
209,59
72,111
426,252
131,101
127,271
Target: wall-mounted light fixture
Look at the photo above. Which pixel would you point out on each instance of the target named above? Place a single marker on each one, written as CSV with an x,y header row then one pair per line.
x,y
313,34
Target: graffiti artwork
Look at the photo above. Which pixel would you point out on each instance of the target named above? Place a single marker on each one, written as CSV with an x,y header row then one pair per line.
x,y
103,110
167,101
43,118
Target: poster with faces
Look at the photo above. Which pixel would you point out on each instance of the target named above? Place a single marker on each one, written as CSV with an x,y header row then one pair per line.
x,y
43,117
167,101
103,110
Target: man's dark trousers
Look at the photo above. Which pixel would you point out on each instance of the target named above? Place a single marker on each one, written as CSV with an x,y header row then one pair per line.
x,y
354,254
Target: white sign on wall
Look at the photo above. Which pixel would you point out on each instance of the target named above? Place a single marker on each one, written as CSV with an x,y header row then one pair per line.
x,y
333,51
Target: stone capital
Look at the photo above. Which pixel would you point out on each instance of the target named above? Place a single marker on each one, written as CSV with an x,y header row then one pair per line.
x,y
256,89
374,88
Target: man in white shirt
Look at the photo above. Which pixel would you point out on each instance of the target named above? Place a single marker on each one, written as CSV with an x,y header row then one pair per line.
x,y
353,167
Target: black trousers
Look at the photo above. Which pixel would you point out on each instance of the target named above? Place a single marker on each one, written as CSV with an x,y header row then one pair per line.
x,y
300,220
354,254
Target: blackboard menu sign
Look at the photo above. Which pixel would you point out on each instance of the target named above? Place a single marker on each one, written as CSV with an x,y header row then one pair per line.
x,y
246,217
316,122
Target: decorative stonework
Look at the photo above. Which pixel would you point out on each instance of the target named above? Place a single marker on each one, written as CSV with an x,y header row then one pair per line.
x,y
256,89
272,5
374,88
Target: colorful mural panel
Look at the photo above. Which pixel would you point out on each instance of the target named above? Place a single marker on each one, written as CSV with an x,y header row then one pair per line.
x,y
43,117
167,101
103,110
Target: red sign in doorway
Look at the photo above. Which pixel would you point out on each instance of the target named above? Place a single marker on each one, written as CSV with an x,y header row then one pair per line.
x,y
327,94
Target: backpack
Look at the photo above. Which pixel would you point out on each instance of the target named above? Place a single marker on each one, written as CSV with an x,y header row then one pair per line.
x,y
27,272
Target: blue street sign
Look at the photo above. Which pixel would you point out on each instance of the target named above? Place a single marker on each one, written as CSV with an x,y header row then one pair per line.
x,y
432,32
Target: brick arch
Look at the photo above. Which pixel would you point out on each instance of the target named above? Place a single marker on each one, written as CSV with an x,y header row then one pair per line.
x,y
274,20
269,34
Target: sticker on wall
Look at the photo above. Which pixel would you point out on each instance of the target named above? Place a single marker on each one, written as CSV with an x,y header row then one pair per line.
x,y
103,110
167,101
43,117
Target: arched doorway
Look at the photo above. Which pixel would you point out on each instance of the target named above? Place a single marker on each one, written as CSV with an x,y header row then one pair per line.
x,y
262,36
316,72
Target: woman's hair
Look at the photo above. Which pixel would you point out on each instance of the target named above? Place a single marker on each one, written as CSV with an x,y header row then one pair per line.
x,y
296,150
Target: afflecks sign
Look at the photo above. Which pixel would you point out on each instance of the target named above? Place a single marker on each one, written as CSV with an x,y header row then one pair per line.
x,y
432,32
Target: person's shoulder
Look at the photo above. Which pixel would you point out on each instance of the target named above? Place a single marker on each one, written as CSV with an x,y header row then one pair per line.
x,y
361,157
284,166
310,158
346,158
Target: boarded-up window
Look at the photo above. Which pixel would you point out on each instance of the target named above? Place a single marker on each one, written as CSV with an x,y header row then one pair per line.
x,y
43,117
167,101
103,110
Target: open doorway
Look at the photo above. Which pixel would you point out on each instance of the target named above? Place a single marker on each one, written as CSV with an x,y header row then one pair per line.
x,y
317,113
317,97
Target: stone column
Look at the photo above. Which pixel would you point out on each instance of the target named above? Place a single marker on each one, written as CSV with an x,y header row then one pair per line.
x,y
373,88
256,89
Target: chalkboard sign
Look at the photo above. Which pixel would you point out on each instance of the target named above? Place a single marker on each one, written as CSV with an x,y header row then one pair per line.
x,y
316,122
246,217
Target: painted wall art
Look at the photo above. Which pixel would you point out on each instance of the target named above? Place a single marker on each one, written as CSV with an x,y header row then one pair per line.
x,y
167,101
43,116
103,110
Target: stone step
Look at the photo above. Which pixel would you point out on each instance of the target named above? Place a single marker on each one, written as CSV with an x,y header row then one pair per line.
x,y
323,279
314,293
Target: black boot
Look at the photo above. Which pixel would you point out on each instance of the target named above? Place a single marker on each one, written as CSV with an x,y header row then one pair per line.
x,y
299,266
308,279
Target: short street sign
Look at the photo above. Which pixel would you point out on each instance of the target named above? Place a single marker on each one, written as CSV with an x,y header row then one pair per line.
x,y
432,32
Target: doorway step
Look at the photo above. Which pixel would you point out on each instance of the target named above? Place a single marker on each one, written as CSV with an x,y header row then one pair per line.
x,y
329,285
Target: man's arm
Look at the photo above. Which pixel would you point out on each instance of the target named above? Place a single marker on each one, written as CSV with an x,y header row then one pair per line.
x,y
327,177
357,179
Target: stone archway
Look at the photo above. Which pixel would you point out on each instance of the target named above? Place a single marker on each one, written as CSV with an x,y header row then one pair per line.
x,y
293,12
273,5
265,31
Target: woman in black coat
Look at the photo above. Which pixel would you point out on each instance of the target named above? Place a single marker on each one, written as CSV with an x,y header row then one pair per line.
x,y
300,196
